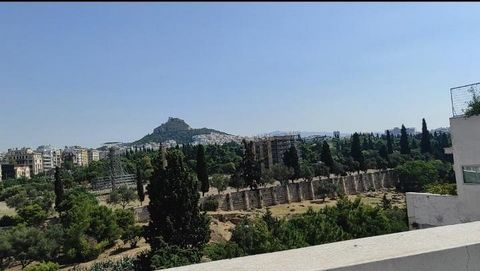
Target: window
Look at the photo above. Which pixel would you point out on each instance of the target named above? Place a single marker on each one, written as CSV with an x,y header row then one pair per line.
x,y
471,174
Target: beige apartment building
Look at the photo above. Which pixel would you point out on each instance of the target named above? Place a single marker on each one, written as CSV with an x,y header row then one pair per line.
x,y
26,157
78,155
93,155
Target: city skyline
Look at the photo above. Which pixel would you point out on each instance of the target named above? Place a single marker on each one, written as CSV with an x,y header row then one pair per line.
x,y
88,73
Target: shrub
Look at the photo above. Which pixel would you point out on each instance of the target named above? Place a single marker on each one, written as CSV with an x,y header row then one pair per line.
x,y
225,250
347,220
172,256
209,204
442,188
43,266
9,221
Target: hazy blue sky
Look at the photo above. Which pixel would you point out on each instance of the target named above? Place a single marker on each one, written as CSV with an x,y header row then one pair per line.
x,y
86,73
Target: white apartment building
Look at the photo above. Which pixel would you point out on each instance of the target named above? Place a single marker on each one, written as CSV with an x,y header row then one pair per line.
x,y
26,157
51,157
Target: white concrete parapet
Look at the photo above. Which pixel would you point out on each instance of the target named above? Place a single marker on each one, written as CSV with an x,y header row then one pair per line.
x,y
429,210
454,247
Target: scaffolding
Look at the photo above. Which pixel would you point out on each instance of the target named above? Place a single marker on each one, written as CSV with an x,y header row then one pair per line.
x,y
117,176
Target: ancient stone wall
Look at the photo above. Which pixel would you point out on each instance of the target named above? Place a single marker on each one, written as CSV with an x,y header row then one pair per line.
x,y
296,192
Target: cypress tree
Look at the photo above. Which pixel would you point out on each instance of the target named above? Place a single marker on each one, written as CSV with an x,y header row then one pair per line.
x,y
383,152
249,167
404,146
175,218
414,144
389,143
425,145
140,191
356,151
326,156
59,193
370,143
290,159
202,173
365,144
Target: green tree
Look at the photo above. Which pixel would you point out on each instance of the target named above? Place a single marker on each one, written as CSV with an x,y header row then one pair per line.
x,y
202,173
389,143
414,175
140,191
356,152
325,189
30,244
123,195
307,172
473,107
89,228
249,167
175,218
281,173
33,214
132,235
383,152
6,251
58,188
322,170
236,180
220,182
425,145
404,146
326,156
253,236
290,159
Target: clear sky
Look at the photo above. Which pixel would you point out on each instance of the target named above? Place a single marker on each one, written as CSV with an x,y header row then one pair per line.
x,y
87,73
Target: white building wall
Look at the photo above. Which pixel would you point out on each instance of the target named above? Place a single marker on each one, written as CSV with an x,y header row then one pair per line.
x,y
428,210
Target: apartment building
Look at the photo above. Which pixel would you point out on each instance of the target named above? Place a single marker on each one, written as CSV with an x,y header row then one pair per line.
x,y
51,157
11,171
25,157
78,155
93,155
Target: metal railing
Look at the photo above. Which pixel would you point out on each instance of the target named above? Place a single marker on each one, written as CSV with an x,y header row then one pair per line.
x,y
461,96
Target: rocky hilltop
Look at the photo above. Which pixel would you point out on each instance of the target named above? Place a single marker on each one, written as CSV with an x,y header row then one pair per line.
x,y
172,125
178,130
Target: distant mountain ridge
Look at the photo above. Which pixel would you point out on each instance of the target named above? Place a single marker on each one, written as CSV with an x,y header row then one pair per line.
x,y
175,129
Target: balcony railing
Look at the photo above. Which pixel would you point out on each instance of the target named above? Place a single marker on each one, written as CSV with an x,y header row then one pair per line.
x,y
461,97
